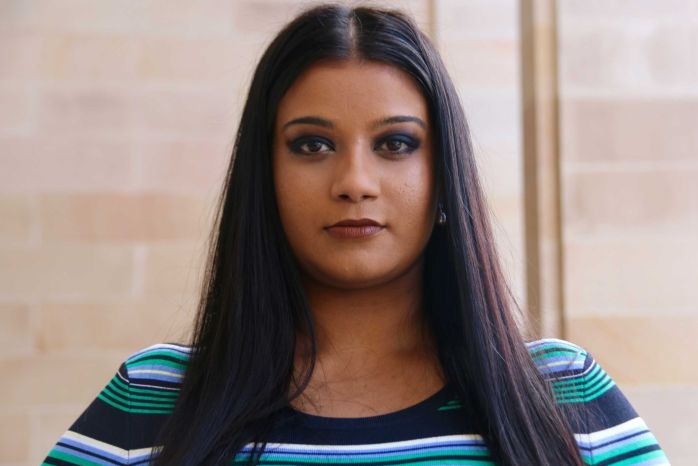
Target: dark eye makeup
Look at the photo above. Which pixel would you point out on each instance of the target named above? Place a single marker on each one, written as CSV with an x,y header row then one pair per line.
x,y
398,144
392,145
310,145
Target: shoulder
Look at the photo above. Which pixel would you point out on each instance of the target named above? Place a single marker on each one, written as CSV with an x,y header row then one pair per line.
x,y
148,381
120,426
554,356
607,427
162,364
572,371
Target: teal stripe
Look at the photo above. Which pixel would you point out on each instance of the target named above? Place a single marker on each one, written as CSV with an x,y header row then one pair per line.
x,y
590,387
581,380
120,392
130,402
402,459
453,404
446,408
553,354
125,407
156,362
639,459
624,449
652,455
72,459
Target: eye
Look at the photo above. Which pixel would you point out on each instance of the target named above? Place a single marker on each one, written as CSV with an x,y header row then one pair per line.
x,y
310,146
398,144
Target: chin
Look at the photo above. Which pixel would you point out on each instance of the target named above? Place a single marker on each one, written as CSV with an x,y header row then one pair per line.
x,y
356,278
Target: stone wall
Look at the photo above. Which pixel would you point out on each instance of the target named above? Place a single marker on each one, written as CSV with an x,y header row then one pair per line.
x,y
629,134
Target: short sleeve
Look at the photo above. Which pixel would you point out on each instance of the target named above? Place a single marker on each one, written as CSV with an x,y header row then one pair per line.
x,y
101,435
607,428
122,424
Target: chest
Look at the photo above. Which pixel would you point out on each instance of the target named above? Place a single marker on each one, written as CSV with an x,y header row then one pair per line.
x,y
435,431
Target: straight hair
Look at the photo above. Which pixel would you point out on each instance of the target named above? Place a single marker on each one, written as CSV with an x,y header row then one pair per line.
x,y
252,307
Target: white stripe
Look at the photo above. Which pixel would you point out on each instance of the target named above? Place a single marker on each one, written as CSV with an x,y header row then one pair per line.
x,y
374,446
116,451
135,384
150,371
561,363
158,387
632,425
184,349
141,452
126,381
106,447
580,374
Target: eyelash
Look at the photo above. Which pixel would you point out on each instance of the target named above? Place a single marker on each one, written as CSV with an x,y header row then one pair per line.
x,y
410,144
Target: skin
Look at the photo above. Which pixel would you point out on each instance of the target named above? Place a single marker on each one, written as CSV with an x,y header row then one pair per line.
x,y
375,354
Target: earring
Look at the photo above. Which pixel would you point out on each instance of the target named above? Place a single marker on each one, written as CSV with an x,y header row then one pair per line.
x,y
441,219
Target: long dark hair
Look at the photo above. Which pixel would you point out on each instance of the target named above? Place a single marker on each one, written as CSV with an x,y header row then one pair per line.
x,y
252,305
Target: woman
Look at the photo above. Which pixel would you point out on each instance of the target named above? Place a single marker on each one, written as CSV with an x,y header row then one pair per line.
x,y
354,310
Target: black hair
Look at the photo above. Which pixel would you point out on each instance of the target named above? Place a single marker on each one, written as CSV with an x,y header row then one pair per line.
x,y
241,375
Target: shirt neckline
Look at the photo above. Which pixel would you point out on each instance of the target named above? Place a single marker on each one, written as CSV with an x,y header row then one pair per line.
x,y
430,404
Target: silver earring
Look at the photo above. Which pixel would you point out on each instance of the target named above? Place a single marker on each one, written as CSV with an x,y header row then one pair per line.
x,y
441,220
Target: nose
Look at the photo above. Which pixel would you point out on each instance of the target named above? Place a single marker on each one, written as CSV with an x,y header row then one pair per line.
x,y
356,176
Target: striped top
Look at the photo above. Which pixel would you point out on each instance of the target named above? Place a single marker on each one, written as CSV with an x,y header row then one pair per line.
x,y
121,424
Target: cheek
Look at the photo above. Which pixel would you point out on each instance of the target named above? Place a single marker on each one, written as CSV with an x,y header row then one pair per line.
x,y
287,199
414,194
297,195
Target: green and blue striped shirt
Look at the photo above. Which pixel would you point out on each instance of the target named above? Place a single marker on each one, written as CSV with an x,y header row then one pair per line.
x,y
121,424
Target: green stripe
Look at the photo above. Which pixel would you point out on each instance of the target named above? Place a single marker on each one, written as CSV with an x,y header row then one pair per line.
x,y
580,379
585,391
161,352
592,386
594,459
558,345
379,457
453,404
446,408
624,449
125,395
584,399
72,459
641,458
559,352
119,391
154,362
127,409
149,355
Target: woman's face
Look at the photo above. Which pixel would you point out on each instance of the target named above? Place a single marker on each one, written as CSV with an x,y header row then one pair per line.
x,y
353,173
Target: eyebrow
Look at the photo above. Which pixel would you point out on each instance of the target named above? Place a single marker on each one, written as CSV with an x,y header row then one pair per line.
x,y
318,121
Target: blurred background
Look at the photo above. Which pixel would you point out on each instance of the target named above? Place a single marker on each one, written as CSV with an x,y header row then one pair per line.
x,y
117,120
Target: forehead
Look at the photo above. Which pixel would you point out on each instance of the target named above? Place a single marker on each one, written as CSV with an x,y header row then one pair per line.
x,y
352,89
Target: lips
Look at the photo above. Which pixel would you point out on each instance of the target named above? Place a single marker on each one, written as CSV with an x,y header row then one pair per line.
x,y
349,229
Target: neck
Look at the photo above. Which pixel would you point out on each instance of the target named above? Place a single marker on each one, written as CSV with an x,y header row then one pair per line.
x,y
381,320
375,353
